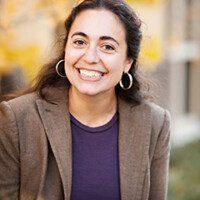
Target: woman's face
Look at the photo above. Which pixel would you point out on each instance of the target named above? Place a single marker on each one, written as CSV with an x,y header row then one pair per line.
x,y
95,54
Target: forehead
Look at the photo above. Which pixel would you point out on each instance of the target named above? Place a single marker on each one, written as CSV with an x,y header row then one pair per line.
x,y
98,23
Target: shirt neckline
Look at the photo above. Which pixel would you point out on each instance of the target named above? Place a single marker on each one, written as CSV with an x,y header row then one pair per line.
x,y
94,129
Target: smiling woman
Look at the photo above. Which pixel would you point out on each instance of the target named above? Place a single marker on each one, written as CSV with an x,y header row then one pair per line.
x,y
86,130
96,57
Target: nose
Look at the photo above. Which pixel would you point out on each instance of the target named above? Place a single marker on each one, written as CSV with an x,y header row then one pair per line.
x,y
91,55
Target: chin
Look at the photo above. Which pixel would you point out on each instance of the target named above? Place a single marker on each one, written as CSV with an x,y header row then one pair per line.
x,y
93,90
89,92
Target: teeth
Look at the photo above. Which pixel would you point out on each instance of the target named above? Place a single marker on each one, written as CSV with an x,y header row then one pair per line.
x,y
90,74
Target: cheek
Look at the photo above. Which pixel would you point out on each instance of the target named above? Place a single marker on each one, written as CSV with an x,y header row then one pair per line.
x,y
72,55
115,64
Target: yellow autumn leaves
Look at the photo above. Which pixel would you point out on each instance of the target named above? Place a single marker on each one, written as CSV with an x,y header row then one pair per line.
x,y
15,49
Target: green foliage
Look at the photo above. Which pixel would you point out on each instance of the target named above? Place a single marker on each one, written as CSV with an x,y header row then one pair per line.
x,y
184,181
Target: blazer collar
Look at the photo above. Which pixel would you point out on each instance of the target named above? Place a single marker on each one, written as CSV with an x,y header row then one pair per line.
x,y
134,135
134,139
55,117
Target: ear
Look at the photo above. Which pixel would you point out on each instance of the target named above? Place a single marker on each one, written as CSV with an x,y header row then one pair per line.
x,y
128,64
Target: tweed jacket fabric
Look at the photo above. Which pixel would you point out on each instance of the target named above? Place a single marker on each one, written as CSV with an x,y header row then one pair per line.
x,y
36,149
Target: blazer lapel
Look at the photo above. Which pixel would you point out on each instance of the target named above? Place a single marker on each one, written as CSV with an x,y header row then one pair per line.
x,y
134,136
56,120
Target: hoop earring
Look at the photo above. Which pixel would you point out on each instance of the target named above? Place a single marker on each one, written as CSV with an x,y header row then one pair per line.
x,y
130,82
57,69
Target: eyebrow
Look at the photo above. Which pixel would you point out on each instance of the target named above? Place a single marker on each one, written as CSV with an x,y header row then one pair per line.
x,y
105,37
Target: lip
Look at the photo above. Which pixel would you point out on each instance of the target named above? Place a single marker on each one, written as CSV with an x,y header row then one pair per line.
x,y
90,78
91,70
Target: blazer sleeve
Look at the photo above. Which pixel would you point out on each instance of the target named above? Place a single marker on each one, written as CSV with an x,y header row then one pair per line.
x,y
160,162
9,154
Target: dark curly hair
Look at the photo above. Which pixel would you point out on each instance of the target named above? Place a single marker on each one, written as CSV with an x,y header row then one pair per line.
x,y
48,77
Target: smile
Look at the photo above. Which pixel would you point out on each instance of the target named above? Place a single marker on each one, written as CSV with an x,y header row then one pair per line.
x,y
90,75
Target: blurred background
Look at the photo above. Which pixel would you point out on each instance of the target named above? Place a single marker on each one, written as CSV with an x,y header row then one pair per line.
x,y
170,54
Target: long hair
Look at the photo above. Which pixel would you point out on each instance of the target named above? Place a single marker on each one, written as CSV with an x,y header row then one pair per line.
x,y
47,77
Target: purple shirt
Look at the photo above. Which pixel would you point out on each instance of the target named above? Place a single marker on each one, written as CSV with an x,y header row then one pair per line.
x,y
95,167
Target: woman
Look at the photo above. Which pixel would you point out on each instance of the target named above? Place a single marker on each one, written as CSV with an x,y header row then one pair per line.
x,y
86,130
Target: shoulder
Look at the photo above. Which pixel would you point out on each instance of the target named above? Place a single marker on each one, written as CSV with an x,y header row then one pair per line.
x,y
19,116
19,106
160,133
147,111
11,113
160,122
157,112
24,100
159,117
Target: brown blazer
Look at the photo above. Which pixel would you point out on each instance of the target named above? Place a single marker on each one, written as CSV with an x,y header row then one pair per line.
x,y
36,149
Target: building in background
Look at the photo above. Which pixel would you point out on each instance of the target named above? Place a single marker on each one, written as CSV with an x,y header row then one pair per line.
x,y
172,56
184,62
177,72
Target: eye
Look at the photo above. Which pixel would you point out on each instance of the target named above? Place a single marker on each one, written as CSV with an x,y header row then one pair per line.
x,y
108,48
79,43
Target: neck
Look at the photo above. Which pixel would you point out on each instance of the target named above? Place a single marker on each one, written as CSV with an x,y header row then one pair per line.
x,y
92,111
